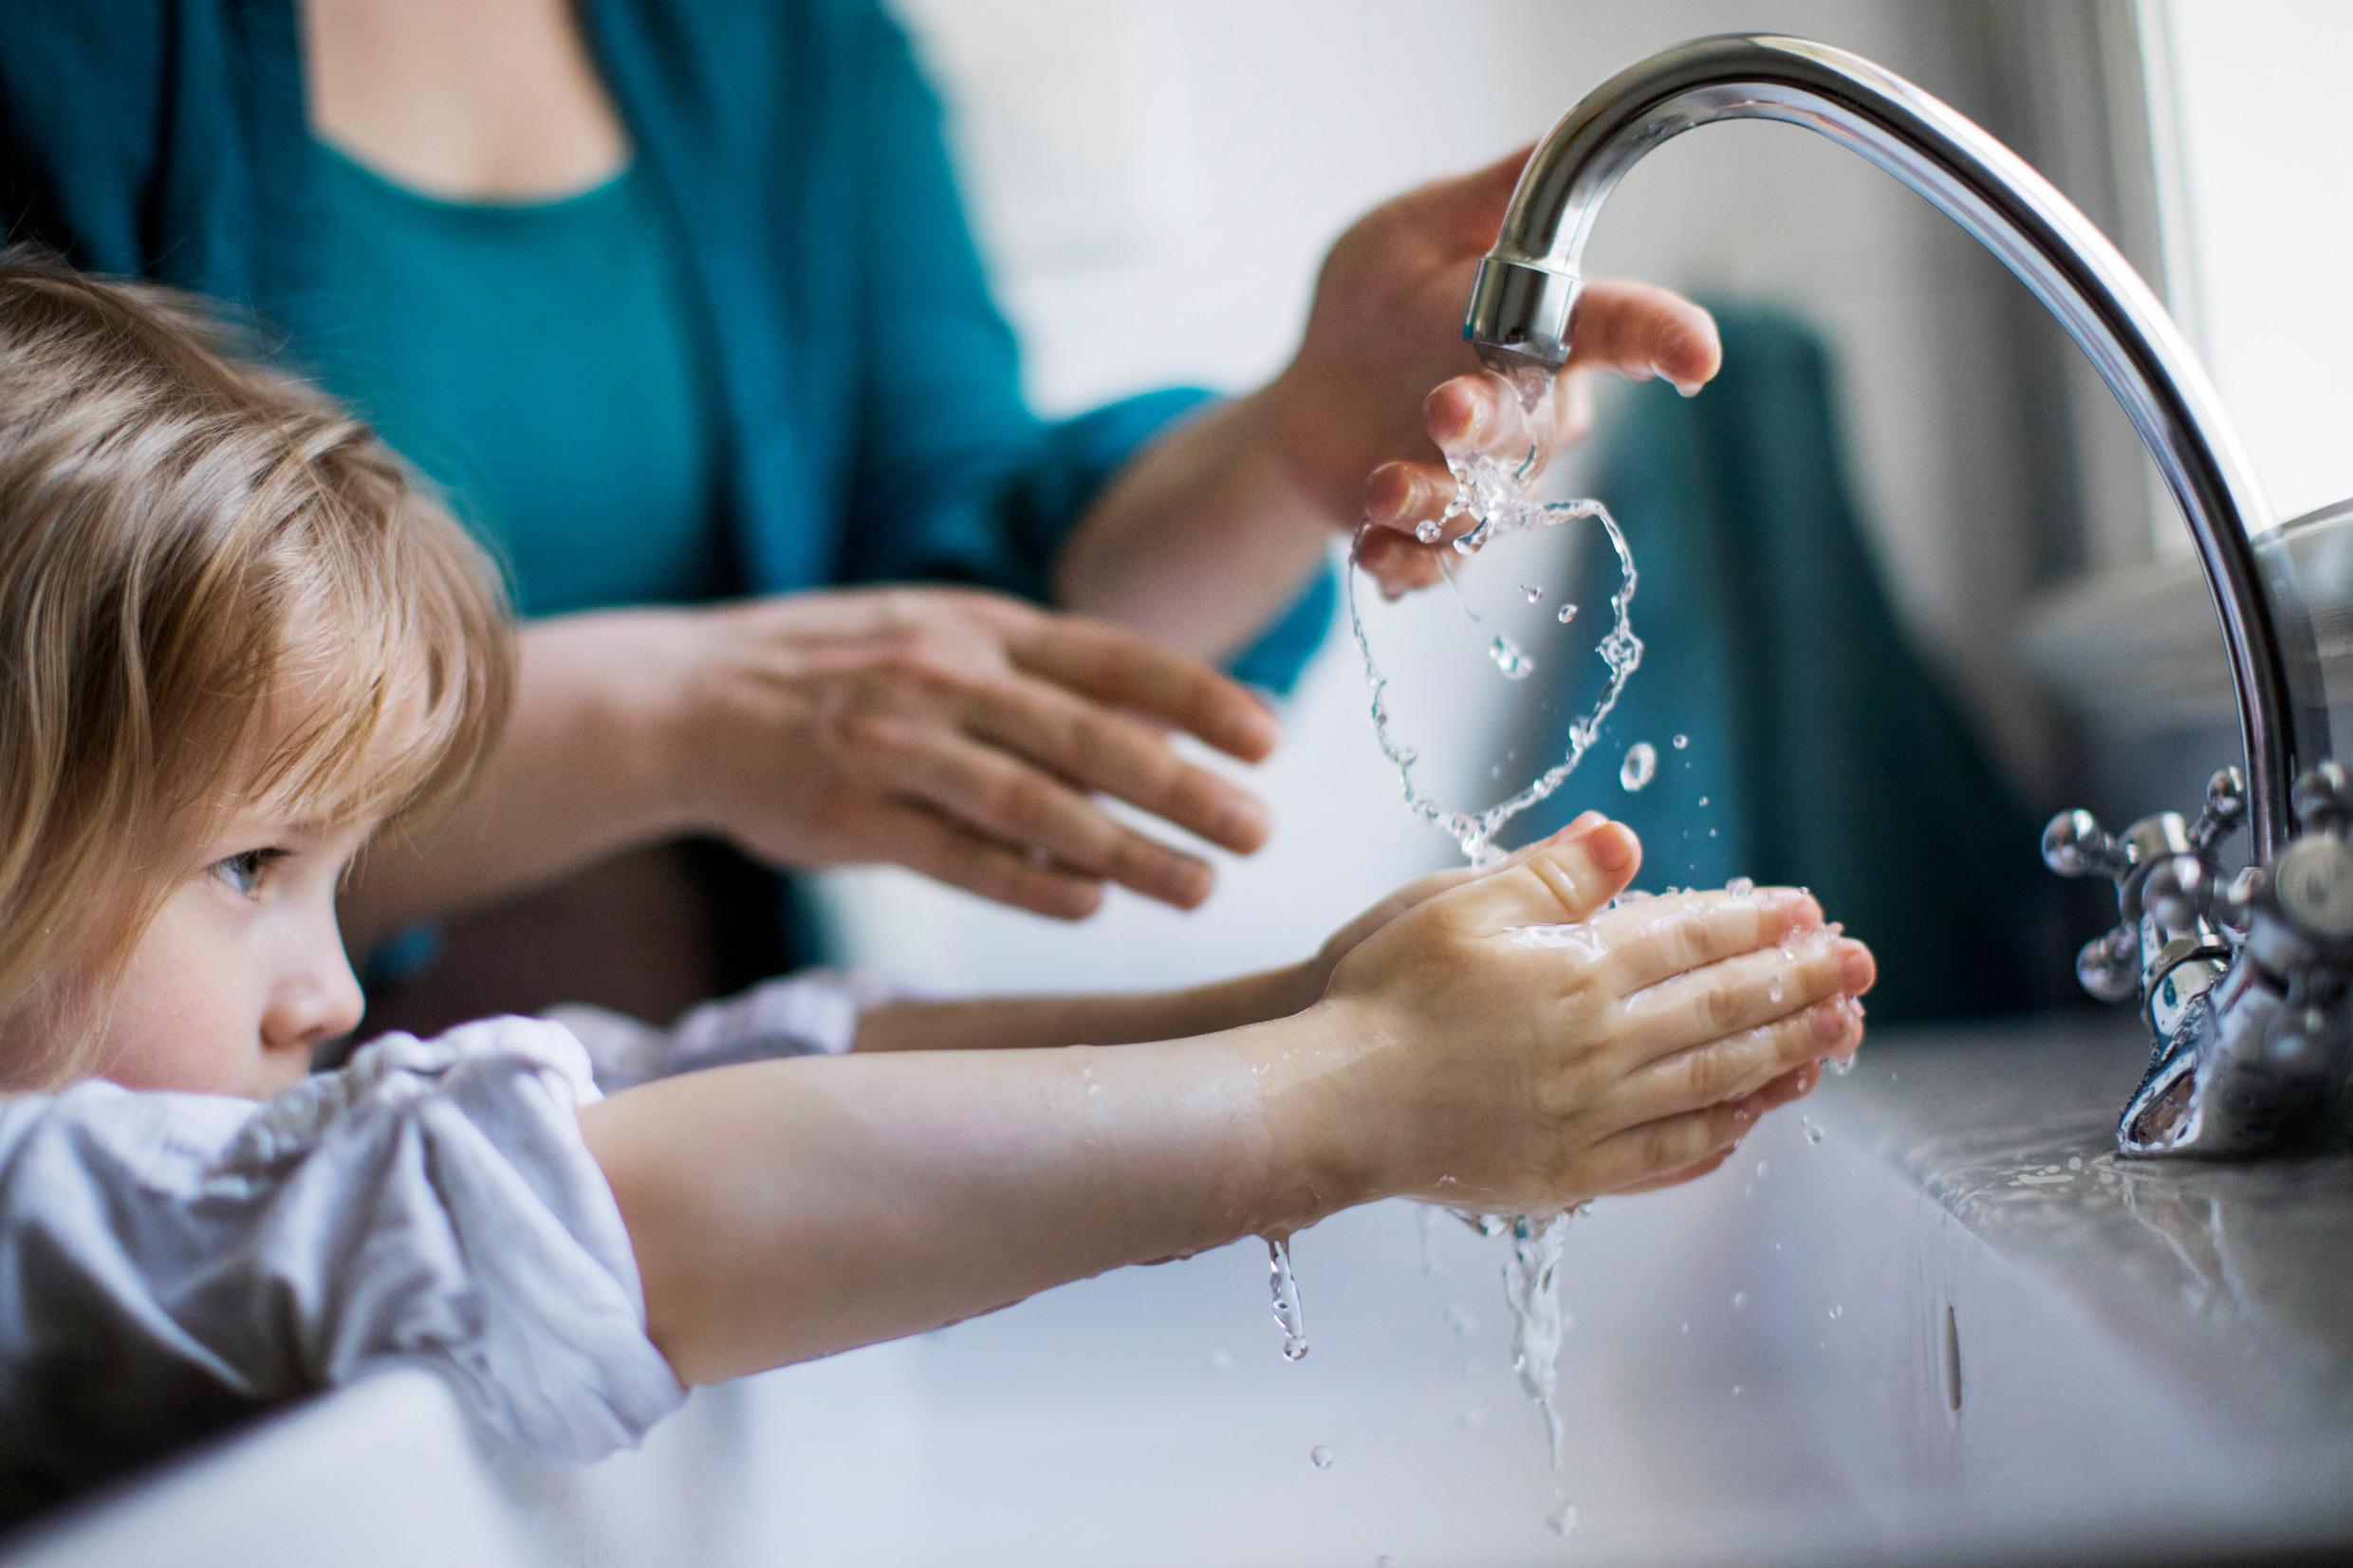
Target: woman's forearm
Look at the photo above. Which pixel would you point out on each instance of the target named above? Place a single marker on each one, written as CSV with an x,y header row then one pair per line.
x,y
585,768
790,1209
1202,539
1015,1022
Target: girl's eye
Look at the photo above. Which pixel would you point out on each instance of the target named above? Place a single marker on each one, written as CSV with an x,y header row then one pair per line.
x,y
244,872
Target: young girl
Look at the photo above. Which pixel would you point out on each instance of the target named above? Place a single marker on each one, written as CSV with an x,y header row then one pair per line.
x,y
239,648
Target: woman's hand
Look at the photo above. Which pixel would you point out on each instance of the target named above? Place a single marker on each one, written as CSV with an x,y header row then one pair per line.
x,y
964,735
1510,1043
1386,328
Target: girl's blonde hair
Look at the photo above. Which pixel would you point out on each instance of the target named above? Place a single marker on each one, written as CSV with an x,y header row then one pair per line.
x,y
217,593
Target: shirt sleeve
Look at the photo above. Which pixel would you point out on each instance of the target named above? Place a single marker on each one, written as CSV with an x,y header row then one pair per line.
x,y
812,1013
955,478
170,1262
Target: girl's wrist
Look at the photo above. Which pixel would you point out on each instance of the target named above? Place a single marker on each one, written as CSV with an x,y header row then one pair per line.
x,y
1326,1151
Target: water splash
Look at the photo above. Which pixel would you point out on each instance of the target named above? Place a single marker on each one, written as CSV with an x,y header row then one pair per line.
x,y
1494,494
1285,1289
1532,1290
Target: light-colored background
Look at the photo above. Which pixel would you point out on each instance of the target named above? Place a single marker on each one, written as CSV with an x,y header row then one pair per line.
x,y
1177,167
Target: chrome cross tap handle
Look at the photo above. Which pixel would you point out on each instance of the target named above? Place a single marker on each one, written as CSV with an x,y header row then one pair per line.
x,y
2166,950
2250,1052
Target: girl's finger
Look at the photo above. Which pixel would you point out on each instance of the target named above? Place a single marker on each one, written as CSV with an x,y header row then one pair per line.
x,y
1653,939
1742,993
1641,331
1638,1156
1793,1085
931,845
1004,799
1738,1066
1562,879
1102,751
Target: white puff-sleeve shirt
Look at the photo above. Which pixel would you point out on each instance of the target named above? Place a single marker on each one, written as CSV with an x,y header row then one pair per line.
x,y
170,1263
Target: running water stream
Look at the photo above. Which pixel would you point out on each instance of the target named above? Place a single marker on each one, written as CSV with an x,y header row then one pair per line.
x,y
1493,495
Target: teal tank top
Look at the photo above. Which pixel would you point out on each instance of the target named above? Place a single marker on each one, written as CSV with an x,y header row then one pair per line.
x,y
540,363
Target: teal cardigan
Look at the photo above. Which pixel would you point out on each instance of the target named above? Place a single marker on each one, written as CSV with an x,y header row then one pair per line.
x,y
868,384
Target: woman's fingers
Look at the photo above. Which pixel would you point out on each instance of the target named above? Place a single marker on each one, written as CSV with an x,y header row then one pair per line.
x,y
1560,881
1401,496
1098,751
1738,1066
1126,671
1641,331
932,847
1651,940
1004,799
1743,992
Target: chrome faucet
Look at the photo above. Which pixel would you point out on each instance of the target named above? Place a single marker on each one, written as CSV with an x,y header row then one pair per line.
x,y
2244,982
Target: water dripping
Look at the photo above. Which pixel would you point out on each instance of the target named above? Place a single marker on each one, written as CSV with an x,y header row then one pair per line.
x,y
1640,766
1533,592
1681,741
1565,614
1813,1131
1286,1293
1321,1457
1514,664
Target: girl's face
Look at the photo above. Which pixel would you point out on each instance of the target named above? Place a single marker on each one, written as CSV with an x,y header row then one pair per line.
x,y
242,974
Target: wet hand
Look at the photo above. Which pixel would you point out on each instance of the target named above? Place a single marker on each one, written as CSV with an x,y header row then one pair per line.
x,y
966,736
1511,1044
1355,414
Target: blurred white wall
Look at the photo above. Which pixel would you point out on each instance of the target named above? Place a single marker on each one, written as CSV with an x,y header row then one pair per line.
x,y
2265,226
1157,181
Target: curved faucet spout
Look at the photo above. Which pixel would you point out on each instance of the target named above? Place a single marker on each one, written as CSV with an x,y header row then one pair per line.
x,y
1521,306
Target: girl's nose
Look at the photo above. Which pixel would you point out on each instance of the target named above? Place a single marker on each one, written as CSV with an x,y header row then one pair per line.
x,y
317,1001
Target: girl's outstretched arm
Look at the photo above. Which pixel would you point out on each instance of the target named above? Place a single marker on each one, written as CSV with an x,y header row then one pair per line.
x,y
785,1211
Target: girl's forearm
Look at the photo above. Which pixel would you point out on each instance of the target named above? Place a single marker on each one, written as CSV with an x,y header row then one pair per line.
x,y
789,1210
1003,1022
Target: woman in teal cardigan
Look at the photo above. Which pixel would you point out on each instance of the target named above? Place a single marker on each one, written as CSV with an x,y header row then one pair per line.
x,y
676,301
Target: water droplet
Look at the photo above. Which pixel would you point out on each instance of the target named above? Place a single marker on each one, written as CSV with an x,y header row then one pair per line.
x,y
1640,765
1287,1316
1321,1457
1735,1390
1740,1299
1565,614
1740,886
1514,664
1562,1519
1813,1132
2075,1162
1680,741
1703,800
1428,530
1837,1311
1684,1329
1534,592
1764,1169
